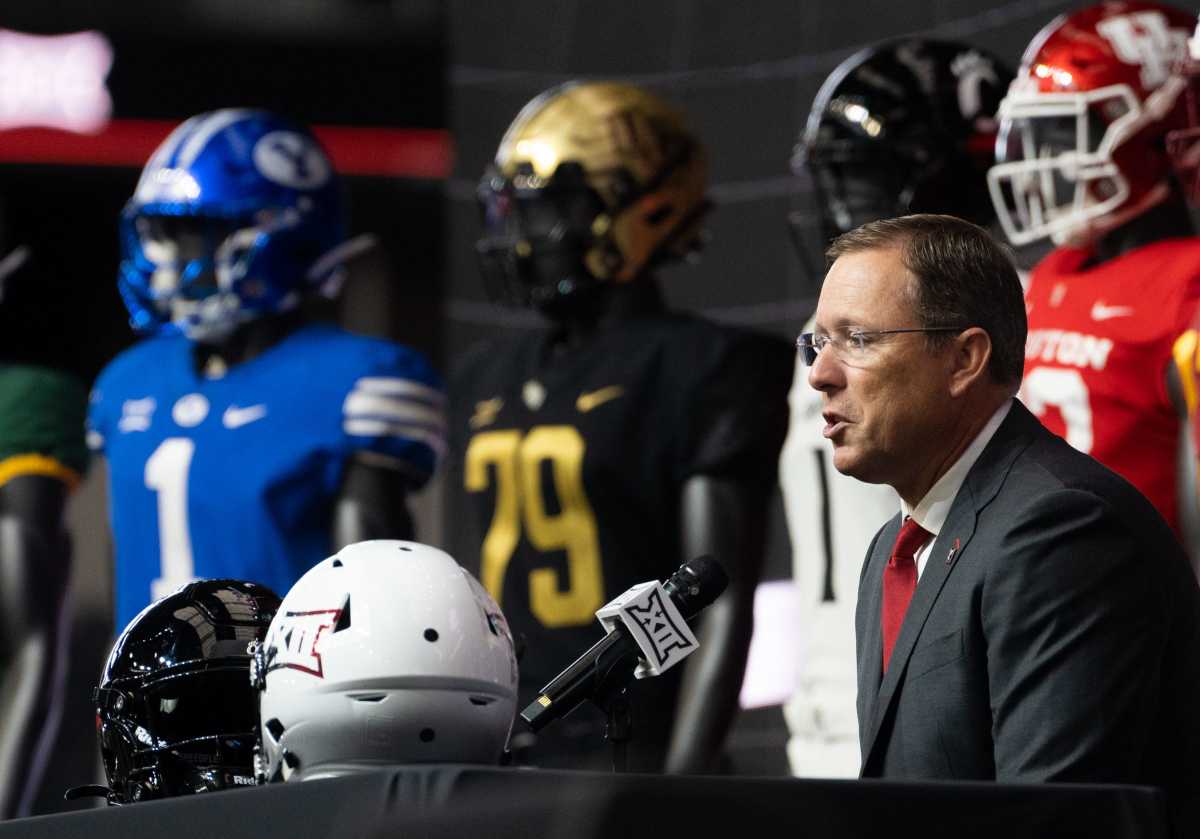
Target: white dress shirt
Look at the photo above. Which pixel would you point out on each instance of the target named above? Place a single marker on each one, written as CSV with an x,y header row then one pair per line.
x,y
931,511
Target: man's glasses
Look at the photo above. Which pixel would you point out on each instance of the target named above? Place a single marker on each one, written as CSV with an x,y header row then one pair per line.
x,y
853,345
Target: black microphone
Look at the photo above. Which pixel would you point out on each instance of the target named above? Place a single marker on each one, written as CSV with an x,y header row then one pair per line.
x,y
695,585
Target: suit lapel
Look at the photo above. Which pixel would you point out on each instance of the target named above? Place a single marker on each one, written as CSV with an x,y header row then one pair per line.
x,y
980,487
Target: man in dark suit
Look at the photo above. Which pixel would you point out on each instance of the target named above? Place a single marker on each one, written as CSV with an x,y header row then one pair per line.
x,y
1028,616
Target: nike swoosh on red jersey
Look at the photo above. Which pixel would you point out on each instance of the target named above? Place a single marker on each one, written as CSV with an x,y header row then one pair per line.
x,y
1103,312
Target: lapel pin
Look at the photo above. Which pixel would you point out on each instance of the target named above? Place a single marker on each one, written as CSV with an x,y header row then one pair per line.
x,y
953,551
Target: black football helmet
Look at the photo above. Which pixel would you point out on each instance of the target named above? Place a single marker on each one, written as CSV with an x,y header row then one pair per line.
x,y
593,183
175,710
902,127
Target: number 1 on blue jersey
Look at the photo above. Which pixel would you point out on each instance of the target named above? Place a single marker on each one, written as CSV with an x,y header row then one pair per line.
x,y
167,475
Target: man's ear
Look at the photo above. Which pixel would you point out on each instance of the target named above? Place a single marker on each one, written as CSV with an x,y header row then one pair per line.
x,y
970,353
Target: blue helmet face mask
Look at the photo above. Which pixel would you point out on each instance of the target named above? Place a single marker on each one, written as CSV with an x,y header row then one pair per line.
x,y
238,214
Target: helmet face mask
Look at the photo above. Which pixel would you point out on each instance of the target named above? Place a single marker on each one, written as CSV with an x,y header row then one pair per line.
x,y
1055,173
1082,145
538,235
194,262
144,766
176,713
594,183
853,193
236,215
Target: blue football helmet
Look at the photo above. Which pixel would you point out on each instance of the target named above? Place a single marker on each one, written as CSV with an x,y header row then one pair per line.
x,y
237,214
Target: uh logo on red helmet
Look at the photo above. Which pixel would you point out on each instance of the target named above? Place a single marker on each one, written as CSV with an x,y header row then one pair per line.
x,y
1082,141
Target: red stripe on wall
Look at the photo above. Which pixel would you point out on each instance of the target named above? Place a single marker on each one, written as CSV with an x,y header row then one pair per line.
x,y
355,150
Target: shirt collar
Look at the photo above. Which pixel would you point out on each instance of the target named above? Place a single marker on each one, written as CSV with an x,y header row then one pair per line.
x,y
932,510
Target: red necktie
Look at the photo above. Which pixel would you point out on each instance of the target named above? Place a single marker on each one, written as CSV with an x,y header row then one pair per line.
x,y
899,582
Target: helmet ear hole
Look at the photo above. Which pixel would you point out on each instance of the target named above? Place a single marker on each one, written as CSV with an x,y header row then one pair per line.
x,y
275,728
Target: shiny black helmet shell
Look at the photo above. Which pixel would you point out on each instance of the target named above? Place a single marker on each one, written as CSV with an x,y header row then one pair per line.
x,y
175,710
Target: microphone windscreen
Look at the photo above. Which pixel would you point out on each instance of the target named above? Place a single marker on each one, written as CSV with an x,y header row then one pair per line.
x,y
696,584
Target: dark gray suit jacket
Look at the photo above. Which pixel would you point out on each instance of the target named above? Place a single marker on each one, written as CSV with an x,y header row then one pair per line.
x,y
1054,634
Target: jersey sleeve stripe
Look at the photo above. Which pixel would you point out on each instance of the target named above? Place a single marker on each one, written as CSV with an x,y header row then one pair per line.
x,y
37,464
387,386
382,428
361,405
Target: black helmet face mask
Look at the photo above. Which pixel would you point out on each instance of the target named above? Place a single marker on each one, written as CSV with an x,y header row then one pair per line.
x,y
537,233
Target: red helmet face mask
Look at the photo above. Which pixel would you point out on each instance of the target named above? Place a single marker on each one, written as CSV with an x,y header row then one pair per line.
x,y
1081,147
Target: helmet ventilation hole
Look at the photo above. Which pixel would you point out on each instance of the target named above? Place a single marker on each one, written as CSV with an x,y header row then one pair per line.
x,y
481,700
343,621
427,735
405,548
431,635
275,728
337,563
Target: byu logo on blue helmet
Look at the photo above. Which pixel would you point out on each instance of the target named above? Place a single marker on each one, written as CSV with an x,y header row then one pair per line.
x,y
291,159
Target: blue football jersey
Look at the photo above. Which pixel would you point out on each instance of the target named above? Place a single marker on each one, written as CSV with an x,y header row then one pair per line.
x,y
237,476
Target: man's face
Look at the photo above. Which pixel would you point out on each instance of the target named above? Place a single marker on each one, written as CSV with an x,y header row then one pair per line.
x,y
886,404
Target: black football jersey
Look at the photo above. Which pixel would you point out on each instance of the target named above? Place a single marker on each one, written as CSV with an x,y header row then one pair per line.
x,y
571,462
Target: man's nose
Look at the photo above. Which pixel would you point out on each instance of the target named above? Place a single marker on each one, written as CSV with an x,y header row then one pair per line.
x,y
826,372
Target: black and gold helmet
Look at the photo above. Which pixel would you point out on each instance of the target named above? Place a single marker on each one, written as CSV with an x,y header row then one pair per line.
x,y
594,182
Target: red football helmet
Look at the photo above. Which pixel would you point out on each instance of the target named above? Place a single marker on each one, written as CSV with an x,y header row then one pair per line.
x,y
1081,147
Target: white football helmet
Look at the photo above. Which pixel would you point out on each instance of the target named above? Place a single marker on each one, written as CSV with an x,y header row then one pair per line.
x,y
387,652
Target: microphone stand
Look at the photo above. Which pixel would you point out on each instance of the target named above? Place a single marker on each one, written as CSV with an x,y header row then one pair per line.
x,y
612,697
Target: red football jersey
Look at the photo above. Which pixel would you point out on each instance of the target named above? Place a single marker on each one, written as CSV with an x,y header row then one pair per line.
x,y
1100,342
